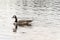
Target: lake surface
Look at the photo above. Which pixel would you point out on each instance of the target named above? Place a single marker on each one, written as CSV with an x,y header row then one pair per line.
x,y
45,25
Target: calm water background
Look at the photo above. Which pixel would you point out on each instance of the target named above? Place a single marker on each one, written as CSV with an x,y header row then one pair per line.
x,y
45,25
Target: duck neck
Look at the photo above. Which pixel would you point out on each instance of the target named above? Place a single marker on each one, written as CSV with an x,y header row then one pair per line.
x,y
15,19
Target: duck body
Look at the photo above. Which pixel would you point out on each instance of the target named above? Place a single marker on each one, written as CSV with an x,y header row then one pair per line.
x,y
21,23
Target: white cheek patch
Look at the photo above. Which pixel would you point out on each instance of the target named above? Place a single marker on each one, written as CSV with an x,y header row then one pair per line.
x,y
13,20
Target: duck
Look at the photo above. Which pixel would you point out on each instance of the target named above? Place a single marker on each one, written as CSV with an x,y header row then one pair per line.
x,y
20,23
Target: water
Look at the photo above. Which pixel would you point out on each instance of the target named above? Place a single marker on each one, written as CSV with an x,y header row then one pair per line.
x,y
45,25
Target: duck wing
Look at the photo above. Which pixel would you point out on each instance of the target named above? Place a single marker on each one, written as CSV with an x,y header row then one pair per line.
x,y
25,21
28,20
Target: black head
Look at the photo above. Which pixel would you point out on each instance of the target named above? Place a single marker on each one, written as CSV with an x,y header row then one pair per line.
x,y
14,16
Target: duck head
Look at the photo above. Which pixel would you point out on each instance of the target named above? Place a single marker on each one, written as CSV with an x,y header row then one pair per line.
x,y
14,16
